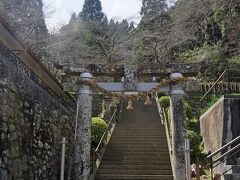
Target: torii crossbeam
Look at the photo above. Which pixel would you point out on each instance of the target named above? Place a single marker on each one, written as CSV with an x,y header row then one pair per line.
x,y
150,69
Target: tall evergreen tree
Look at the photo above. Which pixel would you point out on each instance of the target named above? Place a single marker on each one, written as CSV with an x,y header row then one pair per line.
x,y
105,20
153,7
123,26
73,18
92,11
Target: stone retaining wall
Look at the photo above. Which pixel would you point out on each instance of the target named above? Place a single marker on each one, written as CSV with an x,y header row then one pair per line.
x,y
33,121
219,125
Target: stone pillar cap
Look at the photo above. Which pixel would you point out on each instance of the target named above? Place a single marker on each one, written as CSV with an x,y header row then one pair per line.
x,y
85,89
176,89
176,75
86,75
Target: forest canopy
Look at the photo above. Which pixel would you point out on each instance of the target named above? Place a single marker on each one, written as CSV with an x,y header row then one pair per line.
x,y
188,31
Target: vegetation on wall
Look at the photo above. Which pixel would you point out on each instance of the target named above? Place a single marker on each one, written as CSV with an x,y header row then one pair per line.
x,y
211,101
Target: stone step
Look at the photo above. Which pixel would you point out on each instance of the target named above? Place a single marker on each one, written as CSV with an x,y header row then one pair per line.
x,y
136,177
138,139
139,130
141,134
114,157
136,161
137,151
135,172
138,167
140,143
141,125
136,157
152,124
137,147
138,136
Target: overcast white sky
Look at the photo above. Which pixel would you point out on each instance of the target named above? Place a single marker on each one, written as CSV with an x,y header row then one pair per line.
x,y
117,9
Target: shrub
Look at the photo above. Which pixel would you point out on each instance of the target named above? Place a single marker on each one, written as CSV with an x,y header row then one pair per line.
x,y
188,111
192,124
99,126
164,101
196,146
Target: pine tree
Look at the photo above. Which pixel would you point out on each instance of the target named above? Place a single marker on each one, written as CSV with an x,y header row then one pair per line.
x,y
153,7
73,18
123,26
111,23
131,26
105,20
92,11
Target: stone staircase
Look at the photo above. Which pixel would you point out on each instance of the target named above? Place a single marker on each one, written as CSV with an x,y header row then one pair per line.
x,y
138,147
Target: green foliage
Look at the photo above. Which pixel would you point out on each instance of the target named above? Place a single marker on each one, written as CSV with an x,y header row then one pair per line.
x,y
164,101
196,146
206,52
234,62
92,11
188,111
168,117
192,124
220,17
210,103
99,126
98,40
153,7
212,54
224,17
101,115
168,114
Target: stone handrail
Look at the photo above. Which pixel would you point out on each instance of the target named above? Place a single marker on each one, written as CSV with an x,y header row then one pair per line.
x,y
220,87
104,134
164,121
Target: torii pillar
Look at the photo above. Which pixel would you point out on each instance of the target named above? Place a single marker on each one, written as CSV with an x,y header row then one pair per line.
x,y
179,129
82,147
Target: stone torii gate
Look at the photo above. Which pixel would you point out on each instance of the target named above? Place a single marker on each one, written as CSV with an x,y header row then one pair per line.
x,y
129,84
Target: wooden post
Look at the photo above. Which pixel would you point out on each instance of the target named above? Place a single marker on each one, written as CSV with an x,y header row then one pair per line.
x,y
179,131
83,131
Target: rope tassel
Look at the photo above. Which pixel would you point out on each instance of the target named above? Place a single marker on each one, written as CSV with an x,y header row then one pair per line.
x,y
115,102
148,102
130,106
